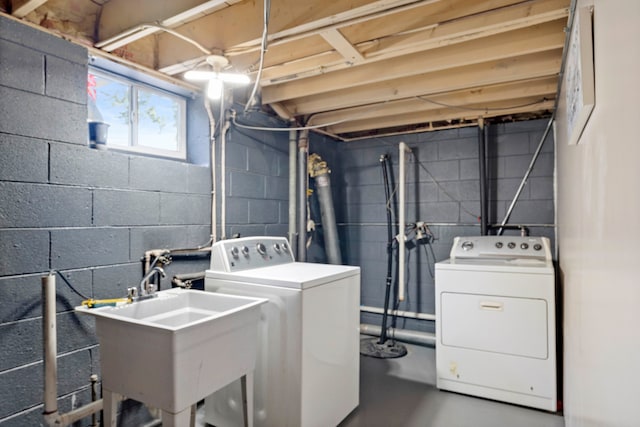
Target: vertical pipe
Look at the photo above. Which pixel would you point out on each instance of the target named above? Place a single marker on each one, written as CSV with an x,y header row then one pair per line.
x,y
292,188
331,241
212,145
403,148
303,146
223,168
482,159
387,289
49,344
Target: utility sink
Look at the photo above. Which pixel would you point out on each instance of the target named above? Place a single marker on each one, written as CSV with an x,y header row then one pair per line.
x,y
173,350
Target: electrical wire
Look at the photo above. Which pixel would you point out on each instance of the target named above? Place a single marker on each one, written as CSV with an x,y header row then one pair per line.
x,y
263,50
463,108
71,286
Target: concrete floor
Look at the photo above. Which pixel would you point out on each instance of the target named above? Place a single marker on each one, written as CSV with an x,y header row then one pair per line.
x,y
402,393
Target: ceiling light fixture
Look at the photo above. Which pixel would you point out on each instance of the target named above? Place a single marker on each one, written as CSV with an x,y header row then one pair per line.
x,y
216,78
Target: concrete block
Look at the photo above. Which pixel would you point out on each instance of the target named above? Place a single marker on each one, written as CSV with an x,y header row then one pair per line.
x,y
365,213
365,157
21,68
470,212
23,159
280,230
277,188
28,114
532,212
541,188
458,149
74,165
112,281
368,175
516,166
41,41
66,80
237,210
87,247
506,188
262,161
21,295
185,209
74,370
440,212
23,251
469,169
117,207
26,343
20,390
364,194
75,331
198,179
510,144
37,205
164,237
459,191
237,157
534,141
441,171
246,230
263,211
197,132
246,185
425,151
146,173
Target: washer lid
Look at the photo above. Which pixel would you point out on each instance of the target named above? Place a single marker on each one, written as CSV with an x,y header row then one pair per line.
x,y
507,265
296,275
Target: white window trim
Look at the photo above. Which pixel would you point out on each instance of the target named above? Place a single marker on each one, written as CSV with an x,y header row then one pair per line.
x,y
181,152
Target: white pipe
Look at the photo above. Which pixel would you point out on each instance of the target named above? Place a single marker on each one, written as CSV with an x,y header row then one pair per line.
x,y
403,148
79,413
401,313
404,335
49,344
212,141
223,171
292,188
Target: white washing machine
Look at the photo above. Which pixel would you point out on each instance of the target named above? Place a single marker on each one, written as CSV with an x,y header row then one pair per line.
x,y
307,372
495,320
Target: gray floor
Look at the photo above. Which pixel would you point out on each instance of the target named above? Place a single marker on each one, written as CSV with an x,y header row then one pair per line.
x,y
402,393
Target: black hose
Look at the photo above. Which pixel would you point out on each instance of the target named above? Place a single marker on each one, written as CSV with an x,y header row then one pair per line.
x,y
387,192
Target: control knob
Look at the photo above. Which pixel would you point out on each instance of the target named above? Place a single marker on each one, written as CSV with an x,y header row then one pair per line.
x,y
276,247
245,251
499,245
235,252
524,246
285,247
537,247
261,248
511,245
467,246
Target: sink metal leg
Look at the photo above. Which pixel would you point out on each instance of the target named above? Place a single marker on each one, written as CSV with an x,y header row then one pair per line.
x,y
181,419
110,407
246,382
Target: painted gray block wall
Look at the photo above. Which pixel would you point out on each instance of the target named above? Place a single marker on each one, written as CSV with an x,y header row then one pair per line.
x,y
86,213
450,207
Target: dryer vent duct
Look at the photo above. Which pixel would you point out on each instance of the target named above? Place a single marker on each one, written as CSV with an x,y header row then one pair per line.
x,y
320,172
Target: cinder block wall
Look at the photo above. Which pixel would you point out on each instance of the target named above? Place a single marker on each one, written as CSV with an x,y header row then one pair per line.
x,y
89,214
450,208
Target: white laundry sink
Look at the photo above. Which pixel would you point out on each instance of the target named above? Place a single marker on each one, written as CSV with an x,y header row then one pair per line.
x,y
173,350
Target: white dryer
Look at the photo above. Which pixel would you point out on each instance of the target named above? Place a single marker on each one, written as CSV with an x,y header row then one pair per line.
x,y
495,320
307,371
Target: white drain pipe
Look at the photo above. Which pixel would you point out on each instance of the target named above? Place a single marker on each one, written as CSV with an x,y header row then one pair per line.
x,y
49,334
400,313
403,148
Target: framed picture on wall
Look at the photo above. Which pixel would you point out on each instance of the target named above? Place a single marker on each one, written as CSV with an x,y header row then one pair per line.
x,y
578,80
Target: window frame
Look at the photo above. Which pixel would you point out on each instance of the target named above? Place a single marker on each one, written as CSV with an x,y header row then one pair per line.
x,y
134,85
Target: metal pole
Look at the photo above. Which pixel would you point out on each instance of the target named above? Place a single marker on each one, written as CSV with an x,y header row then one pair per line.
x,y
526,175
403,148
292,189
303,142
387,290
482,161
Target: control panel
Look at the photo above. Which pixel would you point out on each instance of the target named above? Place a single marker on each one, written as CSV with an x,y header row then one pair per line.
x,y
501,247
250,252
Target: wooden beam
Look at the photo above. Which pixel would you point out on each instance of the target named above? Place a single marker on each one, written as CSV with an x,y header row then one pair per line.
x,y
518,68
430,37
522,105
282,111
342,45
21,8
539,38
543,87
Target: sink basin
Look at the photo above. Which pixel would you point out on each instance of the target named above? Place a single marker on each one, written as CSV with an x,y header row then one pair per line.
x,y
173,350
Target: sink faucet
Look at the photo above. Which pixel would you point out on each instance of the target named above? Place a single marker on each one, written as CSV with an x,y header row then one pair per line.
x,y
146,290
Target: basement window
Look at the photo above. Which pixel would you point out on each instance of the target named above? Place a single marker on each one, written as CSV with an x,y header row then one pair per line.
x,y
141,118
